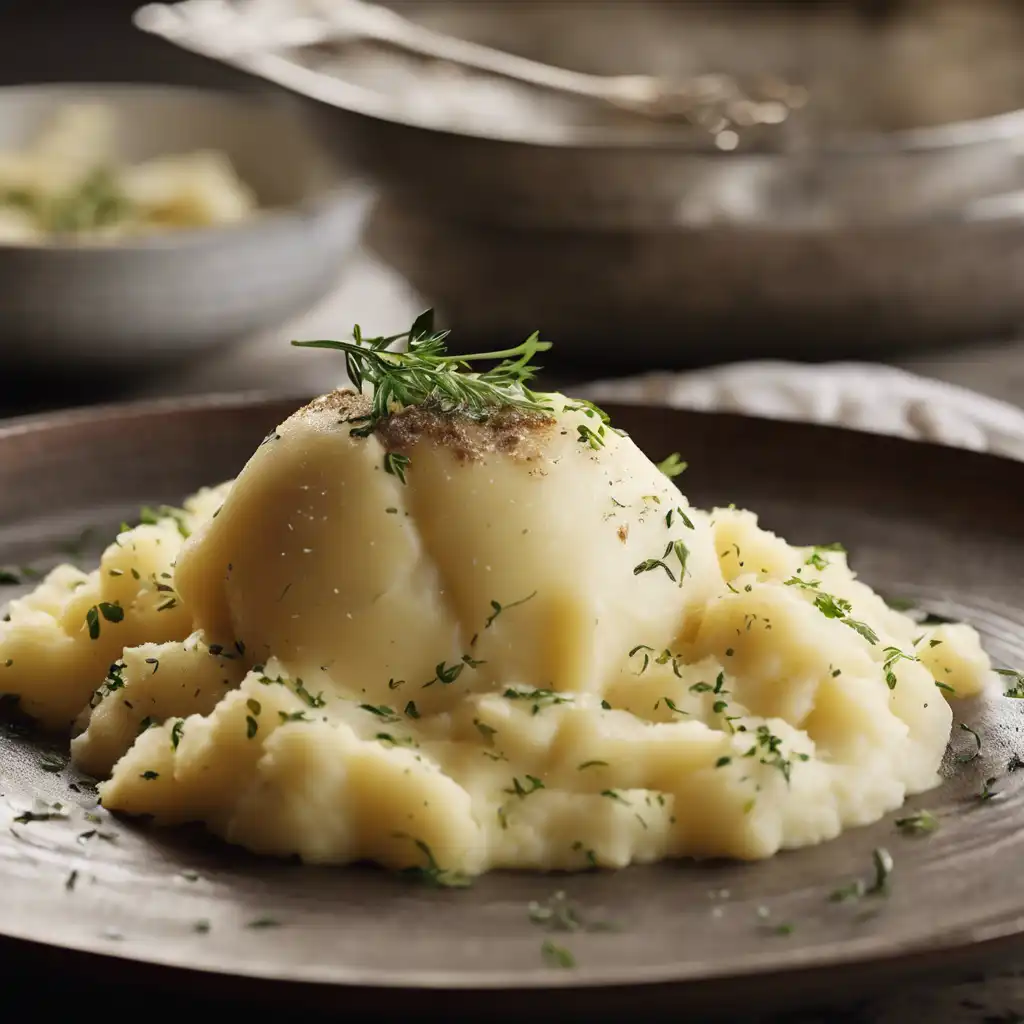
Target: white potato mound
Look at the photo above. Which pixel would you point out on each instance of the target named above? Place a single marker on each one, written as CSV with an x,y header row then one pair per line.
x,y
532,652
57,643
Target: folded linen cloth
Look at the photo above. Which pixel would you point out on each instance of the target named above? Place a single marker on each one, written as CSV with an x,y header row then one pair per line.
x,y
863,396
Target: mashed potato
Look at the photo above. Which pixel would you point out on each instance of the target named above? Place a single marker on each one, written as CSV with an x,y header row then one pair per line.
x,y
69,184
468,645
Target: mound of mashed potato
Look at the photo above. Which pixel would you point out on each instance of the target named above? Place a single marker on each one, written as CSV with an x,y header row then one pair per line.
x,y
469,645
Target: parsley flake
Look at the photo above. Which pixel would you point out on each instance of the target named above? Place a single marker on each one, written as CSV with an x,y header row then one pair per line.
x,y
672,466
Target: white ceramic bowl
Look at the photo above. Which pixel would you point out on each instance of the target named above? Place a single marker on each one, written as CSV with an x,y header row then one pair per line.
x,y
167,297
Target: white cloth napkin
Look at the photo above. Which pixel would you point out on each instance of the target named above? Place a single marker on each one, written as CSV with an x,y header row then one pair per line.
x,y
864,396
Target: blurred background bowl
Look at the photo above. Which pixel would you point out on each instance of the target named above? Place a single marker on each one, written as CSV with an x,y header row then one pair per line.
x,y
156,300
887,215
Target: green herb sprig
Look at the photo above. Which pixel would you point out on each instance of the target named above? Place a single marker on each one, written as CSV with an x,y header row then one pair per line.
x,y
425,374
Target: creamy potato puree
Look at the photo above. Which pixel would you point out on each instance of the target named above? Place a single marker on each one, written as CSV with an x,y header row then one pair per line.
x,y
463,646
69,183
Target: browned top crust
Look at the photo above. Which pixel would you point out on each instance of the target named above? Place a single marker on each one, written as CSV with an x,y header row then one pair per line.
x,y
348,404
510,431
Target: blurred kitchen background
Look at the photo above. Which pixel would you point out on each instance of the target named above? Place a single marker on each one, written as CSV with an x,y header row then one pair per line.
x,y
804,180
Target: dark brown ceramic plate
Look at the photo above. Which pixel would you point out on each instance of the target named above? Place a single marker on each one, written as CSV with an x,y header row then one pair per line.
x,y
933,525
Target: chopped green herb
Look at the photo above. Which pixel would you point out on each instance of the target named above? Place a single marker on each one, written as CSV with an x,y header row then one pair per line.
x,y
313,700
522,790
863,628
672,466
386,737
432,873
987,792
411,710
556,956
918,824
381,711
251,727
893,655
557,913
176,733
445,674
42,812
591,764
671,705
263,922
149,776
883,865
540,698
834,607
498,608
149,516
682,553
770,748
590,855
650,564
396,464
647,656
1015,691
52,763
588,436
964,758
488,732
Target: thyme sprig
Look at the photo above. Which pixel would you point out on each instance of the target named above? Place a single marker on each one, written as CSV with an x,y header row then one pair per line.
x,y
426,374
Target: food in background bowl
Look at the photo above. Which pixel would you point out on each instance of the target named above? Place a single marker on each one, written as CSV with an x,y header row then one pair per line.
x,y
69,184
